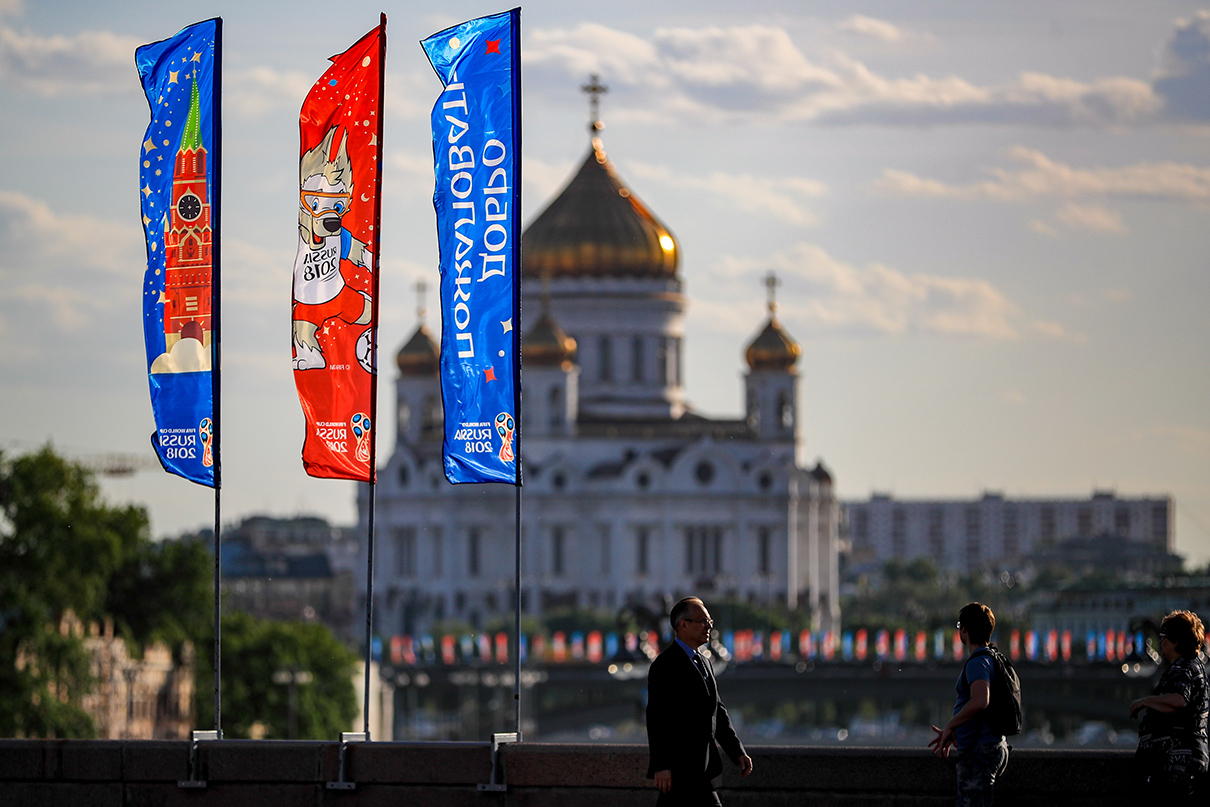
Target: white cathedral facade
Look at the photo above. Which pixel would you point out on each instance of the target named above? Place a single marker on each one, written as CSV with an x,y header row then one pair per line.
x,y
629,497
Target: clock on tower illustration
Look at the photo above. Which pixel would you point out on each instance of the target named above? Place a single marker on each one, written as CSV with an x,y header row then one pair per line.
x,y
188,239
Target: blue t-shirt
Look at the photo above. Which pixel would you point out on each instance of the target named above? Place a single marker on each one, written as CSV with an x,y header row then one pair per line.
x,y
979,667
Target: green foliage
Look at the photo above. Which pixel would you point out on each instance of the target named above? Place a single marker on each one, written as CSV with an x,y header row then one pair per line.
x,y
164,592
740,615
914,595
253,650
60,547
529,625
570,620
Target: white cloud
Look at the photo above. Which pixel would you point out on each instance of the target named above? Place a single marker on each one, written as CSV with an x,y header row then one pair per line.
x,y
186,356
13,8
1189,439
256,276
254,91
740,72
541,181
86,63
776,197
1042,176
60,274
1057,332
1090,217
868,26
826,294
407,167
32,232
1183,77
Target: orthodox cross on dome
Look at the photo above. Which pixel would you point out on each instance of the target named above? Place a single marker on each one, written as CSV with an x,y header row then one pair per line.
x,y
595,89
421,311
771,283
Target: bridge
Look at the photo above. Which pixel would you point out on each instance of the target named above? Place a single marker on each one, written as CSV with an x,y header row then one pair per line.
x,y
563,698
50,773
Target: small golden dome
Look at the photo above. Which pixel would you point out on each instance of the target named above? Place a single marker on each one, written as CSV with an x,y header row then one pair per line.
x,y
773,349
419,356
546,345
597,227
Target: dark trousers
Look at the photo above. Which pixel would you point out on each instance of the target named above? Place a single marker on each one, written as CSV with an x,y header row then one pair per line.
x,y
978,768
701,795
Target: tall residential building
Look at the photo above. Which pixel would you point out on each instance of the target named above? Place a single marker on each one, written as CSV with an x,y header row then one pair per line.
x,y
997,533
630,495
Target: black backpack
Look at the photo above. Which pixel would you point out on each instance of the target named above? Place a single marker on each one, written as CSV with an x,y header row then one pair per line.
x,y
1003,712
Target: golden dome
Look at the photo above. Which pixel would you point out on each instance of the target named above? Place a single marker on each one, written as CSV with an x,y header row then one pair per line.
x,y
547,345
773,349
419,356
598,228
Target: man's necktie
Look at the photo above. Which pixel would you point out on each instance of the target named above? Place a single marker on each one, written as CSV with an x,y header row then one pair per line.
x,y
701,665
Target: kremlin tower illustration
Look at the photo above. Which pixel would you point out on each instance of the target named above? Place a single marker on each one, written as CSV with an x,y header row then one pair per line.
x,y
188,239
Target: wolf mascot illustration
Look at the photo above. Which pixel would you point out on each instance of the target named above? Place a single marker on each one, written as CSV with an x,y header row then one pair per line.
x,y
326,251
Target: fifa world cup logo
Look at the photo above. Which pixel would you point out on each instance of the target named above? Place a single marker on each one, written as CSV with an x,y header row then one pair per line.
x,y
504,427
361,430
205,430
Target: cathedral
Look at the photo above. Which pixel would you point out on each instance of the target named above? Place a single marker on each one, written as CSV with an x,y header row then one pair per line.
x,y
630,497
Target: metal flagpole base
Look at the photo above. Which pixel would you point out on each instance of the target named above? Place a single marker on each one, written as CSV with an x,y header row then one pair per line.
x,y
347,737
193,782
498,740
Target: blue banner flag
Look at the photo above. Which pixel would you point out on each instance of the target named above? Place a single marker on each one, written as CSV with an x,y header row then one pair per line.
x,y
178,172
477,162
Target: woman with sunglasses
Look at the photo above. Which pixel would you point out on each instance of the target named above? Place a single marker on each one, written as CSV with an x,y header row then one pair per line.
x,y
1172,754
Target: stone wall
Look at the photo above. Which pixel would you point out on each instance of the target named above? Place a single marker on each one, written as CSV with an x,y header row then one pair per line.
x,y
34,773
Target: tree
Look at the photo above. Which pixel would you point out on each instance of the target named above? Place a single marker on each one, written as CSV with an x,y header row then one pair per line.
x,y
253,650
163,592
60,545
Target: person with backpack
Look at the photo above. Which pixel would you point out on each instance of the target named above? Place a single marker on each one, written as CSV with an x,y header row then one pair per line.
x,y
987,708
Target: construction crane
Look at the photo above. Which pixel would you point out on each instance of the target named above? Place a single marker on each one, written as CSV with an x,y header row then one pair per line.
x,y
117,464
112,464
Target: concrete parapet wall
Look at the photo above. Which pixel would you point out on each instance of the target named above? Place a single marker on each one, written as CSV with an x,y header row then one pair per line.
x,y
34,773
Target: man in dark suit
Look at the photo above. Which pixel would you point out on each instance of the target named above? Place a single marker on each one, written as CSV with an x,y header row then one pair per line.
x,y
686,720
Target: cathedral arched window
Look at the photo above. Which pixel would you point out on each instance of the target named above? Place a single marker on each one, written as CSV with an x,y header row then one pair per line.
x,y
636,361
785,410
605,366
431,423
405,416
555,407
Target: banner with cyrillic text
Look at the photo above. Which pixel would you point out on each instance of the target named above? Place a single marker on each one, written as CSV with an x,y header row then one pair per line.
x,y
476,125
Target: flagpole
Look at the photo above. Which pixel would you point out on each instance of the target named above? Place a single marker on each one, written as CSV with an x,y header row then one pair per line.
x,y
382,57
515,50
216,368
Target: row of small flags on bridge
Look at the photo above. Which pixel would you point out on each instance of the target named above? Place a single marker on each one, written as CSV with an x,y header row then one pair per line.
x,y
899,645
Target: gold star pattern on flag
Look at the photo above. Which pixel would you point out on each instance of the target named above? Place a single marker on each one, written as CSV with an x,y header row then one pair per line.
x,y
172,74
148,145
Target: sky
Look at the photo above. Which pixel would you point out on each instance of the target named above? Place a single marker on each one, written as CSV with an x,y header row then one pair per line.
x,y
989,221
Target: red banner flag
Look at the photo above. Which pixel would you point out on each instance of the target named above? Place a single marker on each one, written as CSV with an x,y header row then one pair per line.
x,y
335,306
